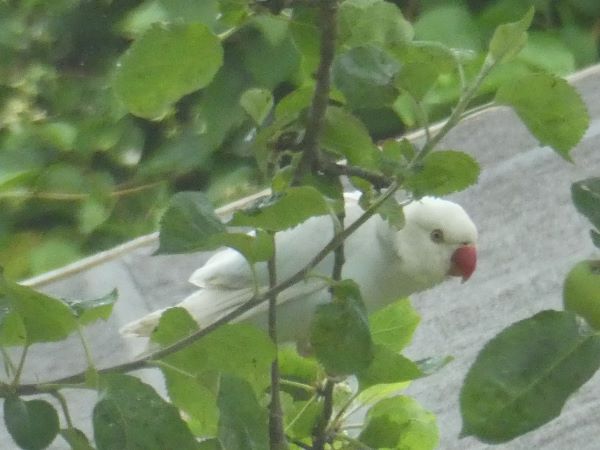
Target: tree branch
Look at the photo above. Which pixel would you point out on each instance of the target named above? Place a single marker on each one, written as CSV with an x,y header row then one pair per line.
x,y
338,239
320,432
314,128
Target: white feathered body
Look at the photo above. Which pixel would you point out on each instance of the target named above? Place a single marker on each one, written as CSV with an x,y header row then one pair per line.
x,y
387,264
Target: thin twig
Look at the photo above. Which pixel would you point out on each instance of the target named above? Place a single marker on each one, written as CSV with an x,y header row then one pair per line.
x,y
70,196
299,443
378,180
30,389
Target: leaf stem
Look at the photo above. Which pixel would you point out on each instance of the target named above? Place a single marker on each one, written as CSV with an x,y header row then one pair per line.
x,y
9,366
86,348
339,416
277,440
297,385
19,369
65,408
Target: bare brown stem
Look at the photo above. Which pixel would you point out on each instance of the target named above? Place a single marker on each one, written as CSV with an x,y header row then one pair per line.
x,y
316,119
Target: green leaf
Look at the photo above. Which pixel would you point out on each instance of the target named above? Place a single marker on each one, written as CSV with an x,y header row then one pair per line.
x,y
131,415
290,107
546,52
189,224
192,11
400,423
301,416
283,210
89,311
394,325
340,335
366,76
388,367
76,439
32,424
377,21
210,444
268,51
452,24
45,319
345,135
12,328
551,109
393,212
523,376
254,248
378,392
242,422
510,38
92,214
431,365
224,350
233,12
166,63
586,198
295,367
422,64
443,172
257,103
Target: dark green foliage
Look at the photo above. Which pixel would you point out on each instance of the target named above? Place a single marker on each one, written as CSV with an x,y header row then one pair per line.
x,y
131,415
32,424
522,378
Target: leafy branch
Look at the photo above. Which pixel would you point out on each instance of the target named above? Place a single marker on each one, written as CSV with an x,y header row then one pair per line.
x,y
146,361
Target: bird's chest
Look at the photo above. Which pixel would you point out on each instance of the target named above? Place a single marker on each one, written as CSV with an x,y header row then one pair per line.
x,y
379,273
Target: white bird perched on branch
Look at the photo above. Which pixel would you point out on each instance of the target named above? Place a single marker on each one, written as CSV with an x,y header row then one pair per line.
x,y
437,241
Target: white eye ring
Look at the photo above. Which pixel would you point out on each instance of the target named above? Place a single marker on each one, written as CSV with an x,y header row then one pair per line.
x,y
437,236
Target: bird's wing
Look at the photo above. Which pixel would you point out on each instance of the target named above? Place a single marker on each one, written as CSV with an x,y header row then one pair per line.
x,y
226,269
211,304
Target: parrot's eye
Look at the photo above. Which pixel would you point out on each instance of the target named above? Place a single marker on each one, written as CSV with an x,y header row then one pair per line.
x,y
437,236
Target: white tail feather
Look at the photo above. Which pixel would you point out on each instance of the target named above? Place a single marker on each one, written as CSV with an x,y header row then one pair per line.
x,y
205,306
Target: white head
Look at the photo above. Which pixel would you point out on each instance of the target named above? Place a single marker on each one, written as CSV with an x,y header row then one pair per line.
x,y
437,241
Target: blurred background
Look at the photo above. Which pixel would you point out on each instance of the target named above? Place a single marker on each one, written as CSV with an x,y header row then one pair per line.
x,y
78,174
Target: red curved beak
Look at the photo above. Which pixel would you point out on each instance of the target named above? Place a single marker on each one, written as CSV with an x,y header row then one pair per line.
x,y
463,262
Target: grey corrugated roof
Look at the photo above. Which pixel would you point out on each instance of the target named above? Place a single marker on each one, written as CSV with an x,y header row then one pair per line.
x,y
530,235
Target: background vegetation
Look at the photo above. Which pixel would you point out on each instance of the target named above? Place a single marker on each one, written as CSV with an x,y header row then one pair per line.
x,y
79,174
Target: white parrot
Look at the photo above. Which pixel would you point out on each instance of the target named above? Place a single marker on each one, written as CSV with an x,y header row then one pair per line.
x,y
437,241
